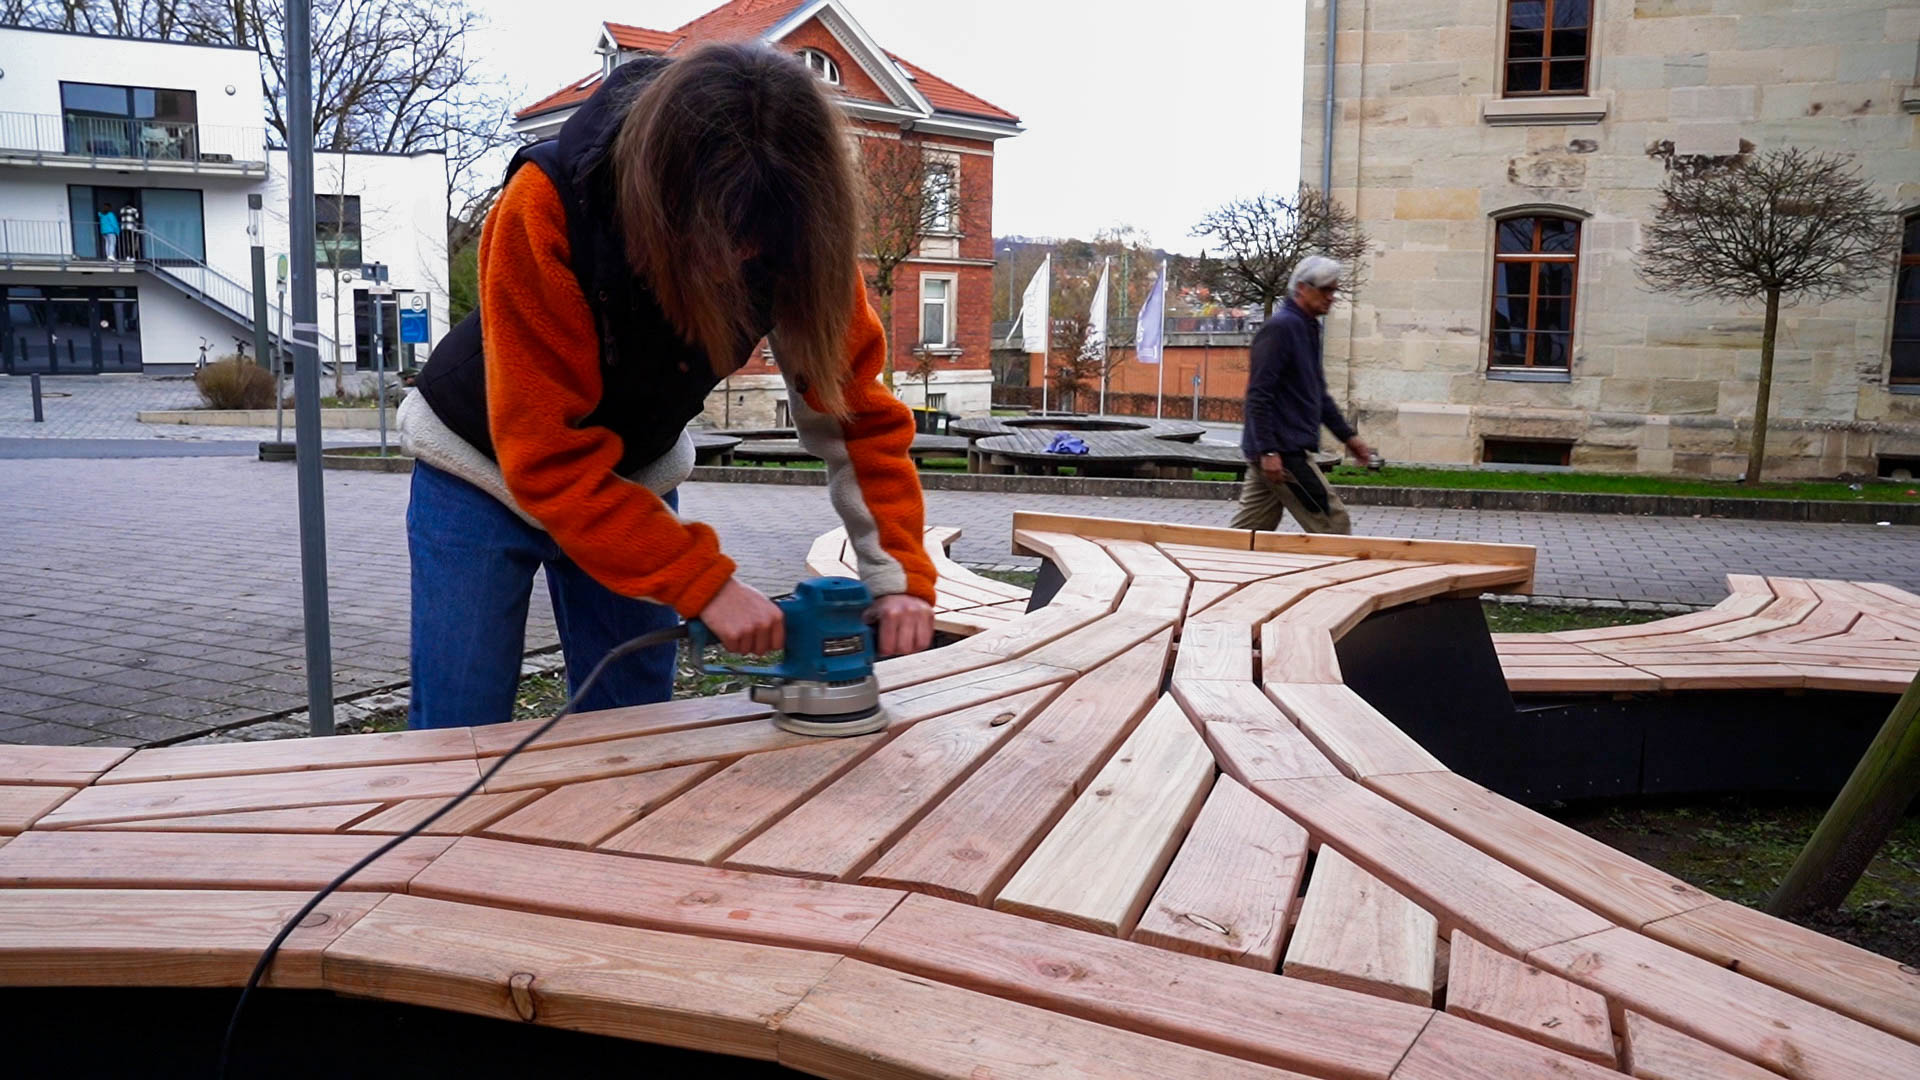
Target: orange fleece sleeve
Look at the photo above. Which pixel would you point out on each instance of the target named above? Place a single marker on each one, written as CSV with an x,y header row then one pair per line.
x,y
872,479
543,378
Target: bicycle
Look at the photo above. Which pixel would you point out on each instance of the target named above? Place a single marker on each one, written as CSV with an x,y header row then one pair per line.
x,y
204,346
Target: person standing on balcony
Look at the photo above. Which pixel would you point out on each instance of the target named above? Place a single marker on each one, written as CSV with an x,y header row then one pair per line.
x,y
1287,402
129,232
109,232
690,208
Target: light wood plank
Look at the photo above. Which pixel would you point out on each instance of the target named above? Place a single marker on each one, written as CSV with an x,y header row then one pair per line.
x,y
1230,890
1205,594
1454,1049
1142,560
1739,1015
1459,884
938,542
670,989
865,1022
824,556
840,831
1098,866
1387,547
1255,1015
1088,648
1845,978
581,815
266,791
293,755
1580,680
1152,532
1298,654
1091,576
492,740
729,808
300,819
1740,605
165,937
1012,639
656,895
61,766
1250,737
23,804
642,753
175,860
1349,731
1356,933
1164,598
972,842
1610,882
1254,604
1513,996
473,813
1214,651
1726,676
1654,1051
912,704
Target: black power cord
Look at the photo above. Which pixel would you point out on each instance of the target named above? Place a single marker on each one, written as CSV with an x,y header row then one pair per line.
x,y
644,641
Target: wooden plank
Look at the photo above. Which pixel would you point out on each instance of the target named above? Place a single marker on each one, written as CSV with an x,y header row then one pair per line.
x,y
1522,661
840,831
938,541
582,815
23,804
731,807
492,740
865,1022
1058,619
1205,594
165,937
1091,576
61,766
1580,680
824,556
1123,529
293,755
1513,996
1158,597
641,753
1654,1051
174,860
972,842
265,791
684,899
912,704
1740,605
1356,933
1230,890
1298,654
1742,1016
299,819
1453,1049
1867,681
1098,866
1221,1007
1349,731
1847,979
1387,547
1726,676
1608,881
1231,577
1142,560
670,989
1088,648
1250,737
1459,884
1256,603
1214,651
472,814
897,672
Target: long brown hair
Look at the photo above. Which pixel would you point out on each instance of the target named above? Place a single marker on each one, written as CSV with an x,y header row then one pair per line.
x,y
731,152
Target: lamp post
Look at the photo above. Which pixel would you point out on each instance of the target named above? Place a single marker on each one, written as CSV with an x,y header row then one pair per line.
x,y
254,234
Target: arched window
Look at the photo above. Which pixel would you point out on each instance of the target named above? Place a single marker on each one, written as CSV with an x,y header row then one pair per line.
x,y
1906,308
822,65
1535,268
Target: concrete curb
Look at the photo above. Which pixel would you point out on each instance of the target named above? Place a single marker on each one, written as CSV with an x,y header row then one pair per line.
x,y
364,419
1562,502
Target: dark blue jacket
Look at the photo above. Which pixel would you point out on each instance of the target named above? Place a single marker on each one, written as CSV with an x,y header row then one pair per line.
x,y
1287,397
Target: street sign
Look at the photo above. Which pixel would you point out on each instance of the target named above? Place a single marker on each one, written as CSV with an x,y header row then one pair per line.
x,y
280,268
414,320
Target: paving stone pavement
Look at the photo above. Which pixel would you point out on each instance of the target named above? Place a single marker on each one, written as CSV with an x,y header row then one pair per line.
x,y
105,407
157,599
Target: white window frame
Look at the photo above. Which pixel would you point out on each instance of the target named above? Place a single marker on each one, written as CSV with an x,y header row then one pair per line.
x,y
949,304
949,223
822,65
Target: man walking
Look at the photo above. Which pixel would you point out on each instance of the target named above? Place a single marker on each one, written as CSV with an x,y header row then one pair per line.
x,y
1287,402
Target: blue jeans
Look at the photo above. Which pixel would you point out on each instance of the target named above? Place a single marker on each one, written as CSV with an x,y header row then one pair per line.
x,y
473,565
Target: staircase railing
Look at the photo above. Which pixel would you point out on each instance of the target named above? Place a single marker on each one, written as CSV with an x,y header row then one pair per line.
x,y
192,275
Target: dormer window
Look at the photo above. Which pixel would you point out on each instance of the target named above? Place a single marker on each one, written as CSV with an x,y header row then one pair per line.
x,y
822,65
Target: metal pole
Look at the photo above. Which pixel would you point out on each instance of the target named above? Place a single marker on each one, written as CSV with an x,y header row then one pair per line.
x,y
279,369
259,281
306,368
1166,297
380,365
1326,135
38,416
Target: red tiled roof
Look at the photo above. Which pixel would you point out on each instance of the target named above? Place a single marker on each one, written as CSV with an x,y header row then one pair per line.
x,y
566,97
946,97
739,20
641,39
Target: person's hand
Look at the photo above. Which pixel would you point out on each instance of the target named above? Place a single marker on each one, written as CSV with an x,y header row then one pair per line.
x,y
1272,469
744,620
1361,451
905,624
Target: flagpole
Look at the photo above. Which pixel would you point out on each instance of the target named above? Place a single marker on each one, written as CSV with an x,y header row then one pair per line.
x,y
1106,350
1159,394
1046,330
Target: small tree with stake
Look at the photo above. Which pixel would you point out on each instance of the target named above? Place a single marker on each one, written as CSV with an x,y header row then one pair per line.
x,y
1785,224
1260,240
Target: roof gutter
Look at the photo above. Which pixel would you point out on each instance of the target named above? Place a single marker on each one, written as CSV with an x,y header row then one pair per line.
x,y
1326,132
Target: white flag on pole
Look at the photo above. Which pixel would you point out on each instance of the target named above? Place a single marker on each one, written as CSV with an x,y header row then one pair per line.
x,y
1036,308
1096,343
1149,336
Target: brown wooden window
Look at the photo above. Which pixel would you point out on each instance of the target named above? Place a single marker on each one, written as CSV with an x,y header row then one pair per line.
x,y
1906,309
1535,263
1547,44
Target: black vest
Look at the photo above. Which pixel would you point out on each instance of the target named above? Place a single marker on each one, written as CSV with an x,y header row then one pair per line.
x,y
653,380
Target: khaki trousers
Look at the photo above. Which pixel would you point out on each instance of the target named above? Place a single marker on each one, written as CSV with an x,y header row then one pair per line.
x,y
1304,494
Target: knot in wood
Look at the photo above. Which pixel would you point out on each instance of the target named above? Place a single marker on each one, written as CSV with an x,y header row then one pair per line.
x,y
315,918
520,989
699,897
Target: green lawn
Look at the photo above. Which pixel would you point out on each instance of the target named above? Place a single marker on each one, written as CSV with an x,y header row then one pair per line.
x,y
1612,483
1541,619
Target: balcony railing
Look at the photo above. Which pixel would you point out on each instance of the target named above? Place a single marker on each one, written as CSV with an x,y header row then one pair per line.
x,y
36,243
72,137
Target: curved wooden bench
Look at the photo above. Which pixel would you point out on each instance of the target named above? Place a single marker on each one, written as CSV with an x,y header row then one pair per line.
x,y
1109,453
1094,841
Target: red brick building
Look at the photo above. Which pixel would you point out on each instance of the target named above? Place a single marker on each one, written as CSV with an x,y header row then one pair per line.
x,y
942,306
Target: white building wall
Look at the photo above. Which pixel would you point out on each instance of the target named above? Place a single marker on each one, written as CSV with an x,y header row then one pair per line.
x,y
36,61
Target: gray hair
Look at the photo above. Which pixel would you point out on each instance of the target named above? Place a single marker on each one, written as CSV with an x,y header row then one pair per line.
x,y
1317,271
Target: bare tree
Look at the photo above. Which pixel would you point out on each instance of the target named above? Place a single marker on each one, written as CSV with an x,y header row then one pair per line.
x,y
1785,224
1261,239
912,192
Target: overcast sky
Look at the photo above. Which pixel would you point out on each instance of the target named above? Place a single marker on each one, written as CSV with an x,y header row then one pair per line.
x,y
1136,112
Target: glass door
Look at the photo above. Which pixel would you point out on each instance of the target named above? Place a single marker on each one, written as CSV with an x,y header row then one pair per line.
x,y
172,217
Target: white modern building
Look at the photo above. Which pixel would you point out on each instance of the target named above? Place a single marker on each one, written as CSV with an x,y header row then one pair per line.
x,y
177,132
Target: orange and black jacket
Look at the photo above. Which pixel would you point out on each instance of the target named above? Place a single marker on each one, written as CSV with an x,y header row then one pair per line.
x,y
572,378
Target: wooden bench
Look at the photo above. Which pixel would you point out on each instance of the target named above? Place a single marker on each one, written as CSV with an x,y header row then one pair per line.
x,y
1052,863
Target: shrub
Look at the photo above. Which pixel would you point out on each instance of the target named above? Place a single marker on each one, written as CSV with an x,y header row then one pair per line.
x,y
233,383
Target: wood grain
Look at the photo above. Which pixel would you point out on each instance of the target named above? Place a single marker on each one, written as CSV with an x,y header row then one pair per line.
x,y
581,815
293,755
300,819
1250,737
177,860
1387,547
1349,731
642,753
1513,996
1653,1051
1356,933
1230,890
267,791
492,740
1221,652
1098,866
62,766
1453,1049
23,804
470,815
1152,532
